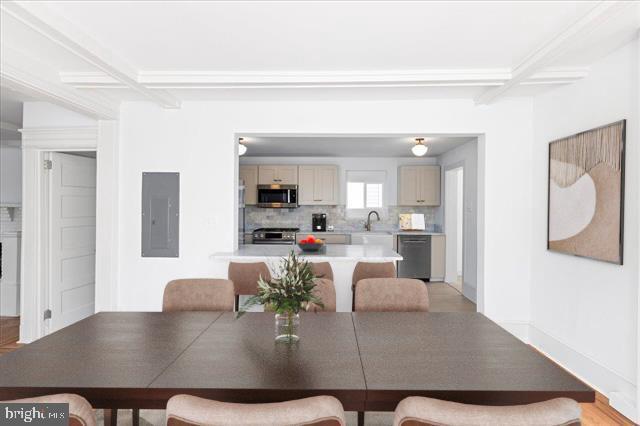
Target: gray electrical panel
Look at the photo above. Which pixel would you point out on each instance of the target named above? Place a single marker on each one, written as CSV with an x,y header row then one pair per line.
x,y
160,214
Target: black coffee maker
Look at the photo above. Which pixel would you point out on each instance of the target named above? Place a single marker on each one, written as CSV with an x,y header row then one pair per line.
x,y
319,222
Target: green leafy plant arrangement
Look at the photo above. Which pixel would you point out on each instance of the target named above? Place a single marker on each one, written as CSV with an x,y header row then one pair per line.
x,y
289,292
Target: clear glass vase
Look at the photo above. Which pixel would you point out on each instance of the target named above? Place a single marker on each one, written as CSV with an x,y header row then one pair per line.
x,y
287,325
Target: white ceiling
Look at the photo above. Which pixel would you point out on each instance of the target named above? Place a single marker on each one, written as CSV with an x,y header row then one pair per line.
x,y
95,54
348,145
312,36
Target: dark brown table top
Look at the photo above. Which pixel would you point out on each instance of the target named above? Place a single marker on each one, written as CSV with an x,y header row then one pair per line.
x,y
367,360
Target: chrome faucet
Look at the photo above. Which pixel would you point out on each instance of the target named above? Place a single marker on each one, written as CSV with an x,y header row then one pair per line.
x,y
367,224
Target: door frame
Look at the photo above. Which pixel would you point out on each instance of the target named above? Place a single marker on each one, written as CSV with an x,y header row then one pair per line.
x,y
34,282
453,166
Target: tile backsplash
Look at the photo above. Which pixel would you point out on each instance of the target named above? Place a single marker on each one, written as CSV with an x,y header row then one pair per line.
x,y
257,217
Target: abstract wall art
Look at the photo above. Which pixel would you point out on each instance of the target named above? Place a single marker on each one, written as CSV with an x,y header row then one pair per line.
x,y
586,194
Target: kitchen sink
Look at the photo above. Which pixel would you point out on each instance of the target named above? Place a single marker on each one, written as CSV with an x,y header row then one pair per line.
x,y
372,239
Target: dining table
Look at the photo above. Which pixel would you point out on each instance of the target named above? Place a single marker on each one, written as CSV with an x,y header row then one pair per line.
x,y
369,361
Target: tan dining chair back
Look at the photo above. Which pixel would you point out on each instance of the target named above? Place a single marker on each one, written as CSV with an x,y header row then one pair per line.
x,y
364,270
326,291
186,410
420,411
245,278
198,294
322,270
391,295
80,411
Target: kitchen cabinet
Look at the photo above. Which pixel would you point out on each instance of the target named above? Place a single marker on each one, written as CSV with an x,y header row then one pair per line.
x,y
249,174
282,175
438,246
318,185
419,186
328,237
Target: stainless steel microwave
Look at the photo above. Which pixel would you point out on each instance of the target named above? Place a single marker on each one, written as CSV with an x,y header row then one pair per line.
x,y
278,196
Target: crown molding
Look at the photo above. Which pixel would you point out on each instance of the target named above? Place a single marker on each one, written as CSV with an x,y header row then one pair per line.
x,y
535,61
38,17
28,76
242,80
85,137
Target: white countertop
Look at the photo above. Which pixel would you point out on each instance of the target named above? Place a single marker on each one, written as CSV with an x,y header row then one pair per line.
x,y
332,252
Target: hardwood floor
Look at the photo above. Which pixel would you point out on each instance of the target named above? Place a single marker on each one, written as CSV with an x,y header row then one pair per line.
x,y
9,330
443,298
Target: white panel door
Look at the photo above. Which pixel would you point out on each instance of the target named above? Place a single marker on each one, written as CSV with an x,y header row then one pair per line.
x,y
72,189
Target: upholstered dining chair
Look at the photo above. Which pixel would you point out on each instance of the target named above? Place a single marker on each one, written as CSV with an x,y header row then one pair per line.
x,y
80,411
420,411
391,295
326,290
322,270
198,294
245,278
364,270
186,410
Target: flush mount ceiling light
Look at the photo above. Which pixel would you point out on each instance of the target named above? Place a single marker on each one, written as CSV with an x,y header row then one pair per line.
x,y
241,147
419,149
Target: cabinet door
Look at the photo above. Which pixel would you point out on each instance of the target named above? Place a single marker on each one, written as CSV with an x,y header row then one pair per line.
x,y
408,187
267,175
306,185
429,186
326,185
249,174
287,175
437,257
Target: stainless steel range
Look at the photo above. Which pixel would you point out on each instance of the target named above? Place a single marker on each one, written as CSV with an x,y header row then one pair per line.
x,y
275,235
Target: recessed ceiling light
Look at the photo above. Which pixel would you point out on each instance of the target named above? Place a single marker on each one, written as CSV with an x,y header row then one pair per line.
x,y
242,149
419,149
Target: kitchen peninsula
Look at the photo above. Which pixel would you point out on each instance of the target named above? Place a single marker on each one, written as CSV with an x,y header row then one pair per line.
x,y
343,259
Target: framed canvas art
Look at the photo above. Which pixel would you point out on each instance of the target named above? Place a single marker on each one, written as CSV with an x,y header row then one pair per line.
x,y
586,193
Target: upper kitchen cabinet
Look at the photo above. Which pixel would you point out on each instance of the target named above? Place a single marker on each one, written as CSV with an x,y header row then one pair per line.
x,y
419,186
249,175
318,185
282,175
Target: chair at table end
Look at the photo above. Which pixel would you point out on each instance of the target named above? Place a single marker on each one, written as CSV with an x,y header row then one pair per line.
x,y
420,411
186,410
80,411
391,295
198,294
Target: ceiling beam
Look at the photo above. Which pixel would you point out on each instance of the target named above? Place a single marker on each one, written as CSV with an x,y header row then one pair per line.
x,y
32,78
227,80
4,125
544,55
37,16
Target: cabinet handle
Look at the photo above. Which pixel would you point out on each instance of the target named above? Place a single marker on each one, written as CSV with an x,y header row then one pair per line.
x,y
318,200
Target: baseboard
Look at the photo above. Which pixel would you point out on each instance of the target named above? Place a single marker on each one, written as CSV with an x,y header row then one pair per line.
x,y
620,391
470,292
520,329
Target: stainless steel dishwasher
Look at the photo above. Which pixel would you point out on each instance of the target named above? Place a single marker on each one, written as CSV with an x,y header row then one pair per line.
x,y
416,253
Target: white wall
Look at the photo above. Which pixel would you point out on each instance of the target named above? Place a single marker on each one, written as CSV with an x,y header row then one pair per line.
x,y
584,312
198,141
10,174
389,165
467,157
47,115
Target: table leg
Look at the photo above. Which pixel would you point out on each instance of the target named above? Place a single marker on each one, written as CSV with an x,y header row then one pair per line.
x,y
360,418
135,417
110,417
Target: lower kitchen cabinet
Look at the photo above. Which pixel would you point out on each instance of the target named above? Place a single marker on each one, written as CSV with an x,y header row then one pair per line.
x,y
328,237
438,246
